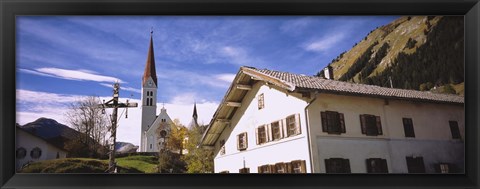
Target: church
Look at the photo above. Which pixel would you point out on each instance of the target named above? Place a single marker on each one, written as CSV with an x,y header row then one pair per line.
x,y
155,128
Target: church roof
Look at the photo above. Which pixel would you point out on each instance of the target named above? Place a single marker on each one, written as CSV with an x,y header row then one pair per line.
x,y
150,64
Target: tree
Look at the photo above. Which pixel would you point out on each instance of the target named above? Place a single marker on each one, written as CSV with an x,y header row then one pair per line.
x,y
170,158
199,160
85,117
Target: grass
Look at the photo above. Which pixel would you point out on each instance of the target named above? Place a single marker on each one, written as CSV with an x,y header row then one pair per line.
x,y
130,164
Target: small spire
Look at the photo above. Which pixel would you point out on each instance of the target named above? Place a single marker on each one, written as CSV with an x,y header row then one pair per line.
x,y
195,116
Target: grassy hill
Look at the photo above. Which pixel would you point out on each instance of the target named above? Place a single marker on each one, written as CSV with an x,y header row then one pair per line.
x,y
129,164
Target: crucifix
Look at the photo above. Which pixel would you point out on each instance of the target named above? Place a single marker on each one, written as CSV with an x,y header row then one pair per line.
x,y
113,103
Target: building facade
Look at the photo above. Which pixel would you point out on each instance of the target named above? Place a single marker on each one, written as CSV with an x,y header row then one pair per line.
x,y
278,122
31,148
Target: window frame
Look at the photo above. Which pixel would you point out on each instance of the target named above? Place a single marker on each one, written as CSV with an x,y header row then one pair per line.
x,y
261,101
262,138
454,129
240,136
344,165
33,155
332,122
278,124
296,123
371,125
380,165
408,128
415,164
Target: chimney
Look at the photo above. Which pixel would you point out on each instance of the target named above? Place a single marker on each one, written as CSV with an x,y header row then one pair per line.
x,y
328,72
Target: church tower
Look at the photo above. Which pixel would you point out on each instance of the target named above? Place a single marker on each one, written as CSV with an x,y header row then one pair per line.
x,y
149,94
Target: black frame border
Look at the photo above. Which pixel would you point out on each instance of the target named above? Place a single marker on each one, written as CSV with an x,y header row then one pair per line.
x,y
9,9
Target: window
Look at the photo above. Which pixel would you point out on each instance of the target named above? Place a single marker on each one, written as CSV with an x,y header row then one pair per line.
x,y
266,169
415,165
408,127
332,122
242,143
377,165
21,153
244,170
222,148
150,146
298,166
281,168
454,129
444,168
164,120
36,153
261,133
337,165
276,130
371,125
261,102
293,125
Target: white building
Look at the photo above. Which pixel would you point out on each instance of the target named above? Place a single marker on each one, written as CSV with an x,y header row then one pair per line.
x,y
272,121
155,128
32,148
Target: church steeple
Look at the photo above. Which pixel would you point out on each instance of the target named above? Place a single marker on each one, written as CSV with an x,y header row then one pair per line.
x,y
150,65
195,116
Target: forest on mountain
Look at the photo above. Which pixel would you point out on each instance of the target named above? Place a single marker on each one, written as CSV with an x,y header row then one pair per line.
x,y
419,53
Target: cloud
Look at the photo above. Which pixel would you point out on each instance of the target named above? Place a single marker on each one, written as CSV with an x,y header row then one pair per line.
x,y
225,77
325,43
78,75
239,56
123,88
36,104
296,26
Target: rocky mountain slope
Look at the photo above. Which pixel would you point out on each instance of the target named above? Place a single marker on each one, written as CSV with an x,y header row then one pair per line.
x,y
414,52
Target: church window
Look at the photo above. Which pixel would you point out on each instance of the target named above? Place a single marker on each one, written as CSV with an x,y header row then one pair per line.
x,y
36,153
21,153
151,145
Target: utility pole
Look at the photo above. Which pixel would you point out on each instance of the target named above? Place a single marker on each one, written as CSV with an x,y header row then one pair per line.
x,y
113,103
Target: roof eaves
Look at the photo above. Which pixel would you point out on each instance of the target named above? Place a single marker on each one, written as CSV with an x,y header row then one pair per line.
x,y
268,78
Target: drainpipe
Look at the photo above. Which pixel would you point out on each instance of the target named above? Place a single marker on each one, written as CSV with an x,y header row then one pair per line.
x,y
308,131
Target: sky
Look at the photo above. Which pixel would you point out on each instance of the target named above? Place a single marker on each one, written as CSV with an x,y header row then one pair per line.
x,y
62,59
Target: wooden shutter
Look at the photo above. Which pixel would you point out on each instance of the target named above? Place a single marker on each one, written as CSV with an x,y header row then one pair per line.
x,y
303,166
328,165
280,126
383,165
273,169
288,167
259,169
323,115
369,165
256,135
268,132
363,124
379,125
346,165
284,127
246,141
238,141
297,124
342,123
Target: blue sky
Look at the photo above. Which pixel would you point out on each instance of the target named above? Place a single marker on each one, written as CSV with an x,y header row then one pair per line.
x,y
61,59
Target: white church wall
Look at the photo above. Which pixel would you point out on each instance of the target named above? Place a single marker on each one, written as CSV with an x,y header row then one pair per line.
x,y
29,142
278,105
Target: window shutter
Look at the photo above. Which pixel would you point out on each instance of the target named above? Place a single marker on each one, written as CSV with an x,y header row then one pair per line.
x,y
328,167
303,166
256,135
421,165
363,124
379,125
384,165
284,127
246,140
346,165
297,124
238,141
369,165
323,115
288,167
268,132
280,125
342,123
259,169
273,169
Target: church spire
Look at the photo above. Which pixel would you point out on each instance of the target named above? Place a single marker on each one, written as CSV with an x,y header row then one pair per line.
x,y
150,65
195,116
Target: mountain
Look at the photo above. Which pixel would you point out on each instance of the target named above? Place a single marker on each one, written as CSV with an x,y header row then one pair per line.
x,y
412,52
125,147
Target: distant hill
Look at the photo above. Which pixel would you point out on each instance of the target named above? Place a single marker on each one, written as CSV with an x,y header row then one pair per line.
x,y
418,52
125,147
51,131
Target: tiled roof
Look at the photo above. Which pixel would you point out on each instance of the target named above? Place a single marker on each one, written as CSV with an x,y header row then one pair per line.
x,y
310,82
